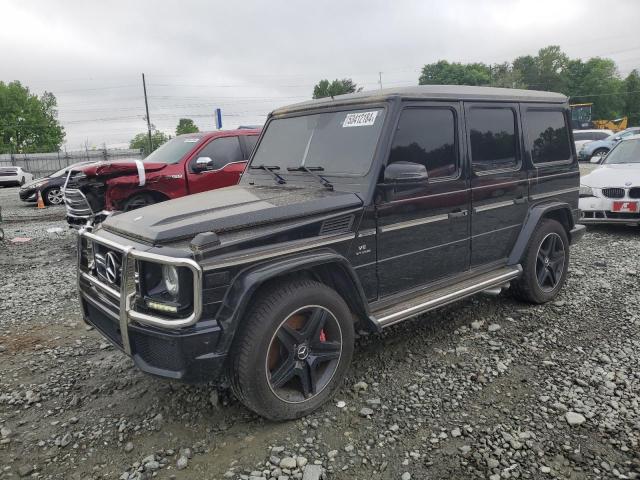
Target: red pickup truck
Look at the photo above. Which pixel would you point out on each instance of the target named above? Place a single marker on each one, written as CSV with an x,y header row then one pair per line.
x,y
187,164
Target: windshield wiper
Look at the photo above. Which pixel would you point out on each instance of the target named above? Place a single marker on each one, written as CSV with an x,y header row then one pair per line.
x,y
270,169
311,171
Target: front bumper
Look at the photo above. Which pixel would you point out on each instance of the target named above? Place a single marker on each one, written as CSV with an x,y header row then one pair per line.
x,y
185,355
178,348
28,195
599,210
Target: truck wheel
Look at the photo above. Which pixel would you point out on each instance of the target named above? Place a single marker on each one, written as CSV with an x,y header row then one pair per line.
x,y
53,196
545,264
138,201
293,350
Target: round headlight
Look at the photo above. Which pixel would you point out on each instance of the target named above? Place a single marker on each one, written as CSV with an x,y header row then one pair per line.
x,y
170,277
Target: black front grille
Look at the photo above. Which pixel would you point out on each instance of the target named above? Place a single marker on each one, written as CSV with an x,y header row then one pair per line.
x,y
634,192
613,192
623,215
107,264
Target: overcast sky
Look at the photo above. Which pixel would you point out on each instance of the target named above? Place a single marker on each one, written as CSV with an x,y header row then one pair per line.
x,y
249,57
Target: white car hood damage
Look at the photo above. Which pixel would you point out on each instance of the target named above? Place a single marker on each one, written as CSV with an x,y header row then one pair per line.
x,y
613,176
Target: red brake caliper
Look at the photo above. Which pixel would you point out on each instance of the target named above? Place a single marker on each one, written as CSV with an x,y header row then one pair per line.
x,y
323,337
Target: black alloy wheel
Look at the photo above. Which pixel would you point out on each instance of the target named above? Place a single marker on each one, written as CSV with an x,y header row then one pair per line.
x,y
292,349
545,263
304,354
550,262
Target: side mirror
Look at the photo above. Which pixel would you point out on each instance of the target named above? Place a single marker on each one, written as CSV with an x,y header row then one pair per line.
x,y
203,164
405,172
617,139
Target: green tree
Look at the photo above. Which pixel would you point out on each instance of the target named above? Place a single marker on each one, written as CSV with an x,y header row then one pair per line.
x,y
324,88
503,75
141,141
186,125
28,123
632,97
597,81
445,73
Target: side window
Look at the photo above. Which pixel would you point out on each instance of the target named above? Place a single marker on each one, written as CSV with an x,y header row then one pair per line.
x,y
427,136
222,151
547,135
250,142
493,138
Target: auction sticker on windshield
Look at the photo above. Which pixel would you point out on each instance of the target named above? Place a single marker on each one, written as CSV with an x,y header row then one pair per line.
x,y
362,119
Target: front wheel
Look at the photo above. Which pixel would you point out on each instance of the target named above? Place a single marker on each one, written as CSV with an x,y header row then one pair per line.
x,y
138,201
293,351
601,152
53,196
545,264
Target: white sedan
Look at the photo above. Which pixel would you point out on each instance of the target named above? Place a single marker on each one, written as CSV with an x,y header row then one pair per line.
x,y
14,176
611,192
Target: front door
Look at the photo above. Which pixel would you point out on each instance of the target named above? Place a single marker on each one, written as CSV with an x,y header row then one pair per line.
x,y
228,165
499,184
423,229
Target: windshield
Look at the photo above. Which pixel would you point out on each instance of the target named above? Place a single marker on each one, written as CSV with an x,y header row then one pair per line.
x,y
339,142
173,151
626,152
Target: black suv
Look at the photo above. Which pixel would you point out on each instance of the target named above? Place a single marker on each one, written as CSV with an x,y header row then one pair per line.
x,y
356,212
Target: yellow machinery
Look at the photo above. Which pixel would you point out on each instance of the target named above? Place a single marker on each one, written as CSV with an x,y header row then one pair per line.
x,y
581,118
613,125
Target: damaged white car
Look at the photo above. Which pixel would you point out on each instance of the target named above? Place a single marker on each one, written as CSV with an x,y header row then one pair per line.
x,y
611,193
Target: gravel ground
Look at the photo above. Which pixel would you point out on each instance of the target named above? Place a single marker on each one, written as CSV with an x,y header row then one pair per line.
x,y
488,388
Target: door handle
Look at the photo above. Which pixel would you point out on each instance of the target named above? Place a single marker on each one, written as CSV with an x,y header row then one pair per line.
x,y
458,214
520,200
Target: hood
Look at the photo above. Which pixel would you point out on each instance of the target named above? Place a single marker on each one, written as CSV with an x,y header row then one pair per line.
x,y
118,167
613,176
226,209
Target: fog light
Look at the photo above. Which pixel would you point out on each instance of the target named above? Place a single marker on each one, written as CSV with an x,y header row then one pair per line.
x,y
162,307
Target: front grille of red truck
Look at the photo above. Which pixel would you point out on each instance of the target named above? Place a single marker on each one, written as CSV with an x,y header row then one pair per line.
x,y
78,206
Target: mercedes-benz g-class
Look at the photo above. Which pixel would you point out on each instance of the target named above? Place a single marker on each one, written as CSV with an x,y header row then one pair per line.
x,y
355,212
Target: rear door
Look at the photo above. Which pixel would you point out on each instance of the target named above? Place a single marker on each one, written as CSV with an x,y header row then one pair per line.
x,y
555,174
499,183
228,164
423,230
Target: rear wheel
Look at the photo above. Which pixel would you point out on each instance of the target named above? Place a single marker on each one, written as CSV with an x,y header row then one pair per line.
x,y
22,181
138,201
53,196
545,264
293,351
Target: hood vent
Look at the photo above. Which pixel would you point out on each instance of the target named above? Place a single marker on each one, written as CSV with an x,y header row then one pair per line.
x,y
337,225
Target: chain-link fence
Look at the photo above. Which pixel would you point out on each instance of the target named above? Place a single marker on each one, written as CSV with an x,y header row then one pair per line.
x,y
43,164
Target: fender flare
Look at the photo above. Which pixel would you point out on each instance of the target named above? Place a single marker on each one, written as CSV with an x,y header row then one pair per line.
x,y
248,281
535,214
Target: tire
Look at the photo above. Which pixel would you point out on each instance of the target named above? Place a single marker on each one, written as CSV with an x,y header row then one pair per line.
x,y
544,272
265,352
138,201
53,196
599,152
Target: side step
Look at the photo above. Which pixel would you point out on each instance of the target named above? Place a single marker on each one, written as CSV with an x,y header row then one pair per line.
x,y
443,296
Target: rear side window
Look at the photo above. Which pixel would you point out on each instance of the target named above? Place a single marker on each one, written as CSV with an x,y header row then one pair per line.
x,y
493,138
548,136
250,142
427,136
222,151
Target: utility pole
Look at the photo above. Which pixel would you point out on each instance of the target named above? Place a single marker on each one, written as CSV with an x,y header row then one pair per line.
x,y
146,106
380,79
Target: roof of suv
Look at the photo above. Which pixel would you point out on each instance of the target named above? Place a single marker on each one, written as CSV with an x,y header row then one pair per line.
x,y
428,92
